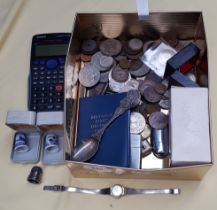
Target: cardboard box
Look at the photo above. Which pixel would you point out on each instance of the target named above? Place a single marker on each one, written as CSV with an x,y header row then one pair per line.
x,y
183,25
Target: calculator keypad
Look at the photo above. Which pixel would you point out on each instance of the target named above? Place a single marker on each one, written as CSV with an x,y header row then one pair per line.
x,y
47,85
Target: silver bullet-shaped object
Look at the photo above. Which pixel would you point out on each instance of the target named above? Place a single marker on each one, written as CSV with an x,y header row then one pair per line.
x,y
160,142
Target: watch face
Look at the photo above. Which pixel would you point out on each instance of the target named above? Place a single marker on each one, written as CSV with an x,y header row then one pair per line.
x,y
117,191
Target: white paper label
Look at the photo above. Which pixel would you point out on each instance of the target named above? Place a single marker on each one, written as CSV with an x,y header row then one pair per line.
x,y
142,8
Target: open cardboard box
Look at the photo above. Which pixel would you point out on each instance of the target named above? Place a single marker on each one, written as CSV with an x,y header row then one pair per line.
x,y
183,25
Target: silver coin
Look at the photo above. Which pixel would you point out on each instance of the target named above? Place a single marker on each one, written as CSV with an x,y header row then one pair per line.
x,y
88,46
141,72
135,57
120,75
104,77
158,120
160,88
135,44
137,123
89,75
146,133
164,104
111,47
151,95
95,59
106,62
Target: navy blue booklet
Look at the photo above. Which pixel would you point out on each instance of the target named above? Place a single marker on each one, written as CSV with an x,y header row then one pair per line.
x,y
94,112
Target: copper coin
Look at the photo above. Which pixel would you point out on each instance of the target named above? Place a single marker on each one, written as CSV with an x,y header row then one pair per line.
x,y
158,120
142,71
98,89
164,104
89,46
85,58
160,88
110,47
151,95
150,108
124,63
135,65
144,84
120,75
135,57
135,44
154,77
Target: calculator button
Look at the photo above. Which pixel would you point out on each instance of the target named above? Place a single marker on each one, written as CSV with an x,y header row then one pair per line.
x,y
48,72
58,106
35,88
42,68
55,72
35,68
34,101
51,88
54,77
35,78
59,100
59,94
35,83
59,88
43,88
48,77
61,81
54,81
34,107
51,100
61,77
61,67
42,73
34,95
41,82
51,94
61,72
61,60
43,94
51,64
42,62
50,107
35,73
48,82
42,107
41,77
42,101
35,62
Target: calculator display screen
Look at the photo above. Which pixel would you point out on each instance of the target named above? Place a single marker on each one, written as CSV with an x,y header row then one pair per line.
x,y
51,50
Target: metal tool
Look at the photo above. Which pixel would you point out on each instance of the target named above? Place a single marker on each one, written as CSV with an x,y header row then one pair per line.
x,y
89,146
116,191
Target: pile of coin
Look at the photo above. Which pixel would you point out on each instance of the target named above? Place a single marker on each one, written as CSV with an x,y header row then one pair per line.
x,y
114,66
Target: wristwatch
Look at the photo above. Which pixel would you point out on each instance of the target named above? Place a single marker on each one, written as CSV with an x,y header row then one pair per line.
x,y
116,190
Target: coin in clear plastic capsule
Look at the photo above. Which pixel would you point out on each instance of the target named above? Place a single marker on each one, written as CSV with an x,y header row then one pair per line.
x,y
137,123
21,142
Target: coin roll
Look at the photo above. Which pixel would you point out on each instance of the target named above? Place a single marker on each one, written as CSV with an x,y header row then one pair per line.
x,y
160,142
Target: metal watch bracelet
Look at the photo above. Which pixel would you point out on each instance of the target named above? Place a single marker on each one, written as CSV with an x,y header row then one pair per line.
x,y
116,191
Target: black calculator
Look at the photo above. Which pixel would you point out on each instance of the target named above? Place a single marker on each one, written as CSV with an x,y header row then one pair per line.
x,y
46,79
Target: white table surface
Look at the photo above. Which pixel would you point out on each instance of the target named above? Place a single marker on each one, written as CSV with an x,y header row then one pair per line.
x,y
39,16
